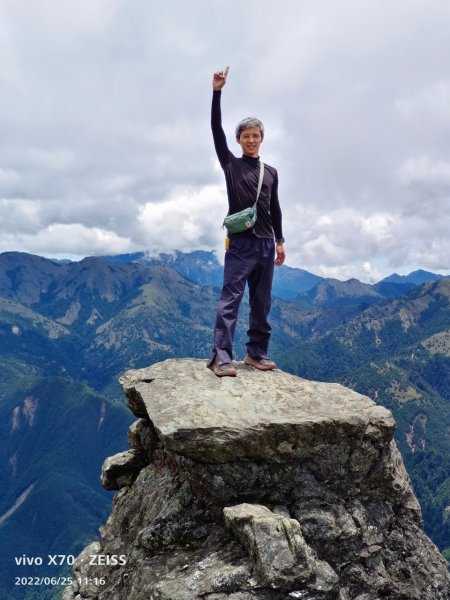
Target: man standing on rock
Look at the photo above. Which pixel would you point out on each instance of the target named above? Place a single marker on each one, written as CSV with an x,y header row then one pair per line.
x,y
250,255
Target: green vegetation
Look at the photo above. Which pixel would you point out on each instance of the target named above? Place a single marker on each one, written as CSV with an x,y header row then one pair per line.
x,y
68,332
54,449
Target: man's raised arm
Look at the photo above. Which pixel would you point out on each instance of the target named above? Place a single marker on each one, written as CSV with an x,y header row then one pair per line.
x,y
220,140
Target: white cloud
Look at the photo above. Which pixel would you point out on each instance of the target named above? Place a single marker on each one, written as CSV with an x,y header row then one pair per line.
x,y
64,239
8,177
104,112
189,218
433,101
424,170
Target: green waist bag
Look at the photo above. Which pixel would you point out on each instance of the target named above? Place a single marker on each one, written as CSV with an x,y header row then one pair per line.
x,y
245,219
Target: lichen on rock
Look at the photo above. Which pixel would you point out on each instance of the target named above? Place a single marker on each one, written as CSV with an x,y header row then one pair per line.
x,y
266,486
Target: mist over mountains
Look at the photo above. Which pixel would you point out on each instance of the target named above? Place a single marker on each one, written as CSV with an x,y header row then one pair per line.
x,y
68,330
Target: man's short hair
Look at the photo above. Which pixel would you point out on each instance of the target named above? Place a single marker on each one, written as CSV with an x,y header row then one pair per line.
x,y
246,124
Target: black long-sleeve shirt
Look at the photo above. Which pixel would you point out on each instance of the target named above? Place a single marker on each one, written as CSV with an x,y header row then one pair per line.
x,y
241,176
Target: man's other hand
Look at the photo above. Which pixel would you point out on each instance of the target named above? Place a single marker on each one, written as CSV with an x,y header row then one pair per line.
x,y
281,255
219,79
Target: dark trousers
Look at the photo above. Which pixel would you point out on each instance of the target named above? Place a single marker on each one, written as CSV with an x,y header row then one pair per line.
x,y
248,259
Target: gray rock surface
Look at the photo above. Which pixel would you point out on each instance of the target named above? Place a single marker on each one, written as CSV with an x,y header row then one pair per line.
x,y
264,486
121,469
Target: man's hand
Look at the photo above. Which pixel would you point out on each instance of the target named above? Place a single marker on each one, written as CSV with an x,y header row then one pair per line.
x,y
281,255
219,79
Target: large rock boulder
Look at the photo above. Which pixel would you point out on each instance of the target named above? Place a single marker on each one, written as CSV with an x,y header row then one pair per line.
x,y
266,486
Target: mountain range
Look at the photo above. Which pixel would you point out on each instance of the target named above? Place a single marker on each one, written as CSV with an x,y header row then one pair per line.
x,y
203,268
68,330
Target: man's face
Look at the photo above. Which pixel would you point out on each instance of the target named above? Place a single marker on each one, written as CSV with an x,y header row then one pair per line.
x,y
250,140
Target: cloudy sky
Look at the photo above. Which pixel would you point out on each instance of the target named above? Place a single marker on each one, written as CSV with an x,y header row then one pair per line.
x,y
105,143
